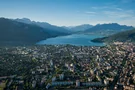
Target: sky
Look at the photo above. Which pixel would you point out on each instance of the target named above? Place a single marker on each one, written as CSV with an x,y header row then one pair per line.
x,y
71,12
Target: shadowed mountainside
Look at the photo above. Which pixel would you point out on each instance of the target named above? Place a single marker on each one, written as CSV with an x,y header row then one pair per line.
x,y
17,33
126,36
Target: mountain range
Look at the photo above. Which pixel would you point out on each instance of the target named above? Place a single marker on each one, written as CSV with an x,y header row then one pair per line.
x,y
24,31
108,29
104,29
18,33
79,28
125,36
53,29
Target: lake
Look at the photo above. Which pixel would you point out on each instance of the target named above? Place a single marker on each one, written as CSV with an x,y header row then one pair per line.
x,y
74,39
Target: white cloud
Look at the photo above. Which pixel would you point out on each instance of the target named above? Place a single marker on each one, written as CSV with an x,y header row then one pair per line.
x,y
129,22
103,7
127,1
120,9
120,14
125,17
94,7
88,12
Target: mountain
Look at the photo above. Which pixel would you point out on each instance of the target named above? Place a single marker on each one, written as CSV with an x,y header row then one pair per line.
x,y
79,28
13,32
108,29
45,25
126,36
23,20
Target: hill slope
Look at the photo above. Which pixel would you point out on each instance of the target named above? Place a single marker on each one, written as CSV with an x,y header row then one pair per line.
x,y
52,28
126,36
108,29
79,28
17,33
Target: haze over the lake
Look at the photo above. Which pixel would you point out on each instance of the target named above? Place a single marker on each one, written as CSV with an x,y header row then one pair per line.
x,y
71,12
74,39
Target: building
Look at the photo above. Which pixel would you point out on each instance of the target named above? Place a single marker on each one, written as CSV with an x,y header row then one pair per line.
x,y
77,83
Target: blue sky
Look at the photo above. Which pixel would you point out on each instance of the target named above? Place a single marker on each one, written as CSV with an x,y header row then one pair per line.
x,y
71,12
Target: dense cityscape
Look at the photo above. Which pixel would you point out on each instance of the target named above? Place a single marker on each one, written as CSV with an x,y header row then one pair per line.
x,y
67,44
110,67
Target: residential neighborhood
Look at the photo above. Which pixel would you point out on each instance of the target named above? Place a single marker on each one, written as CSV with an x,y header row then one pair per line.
x,y
54,67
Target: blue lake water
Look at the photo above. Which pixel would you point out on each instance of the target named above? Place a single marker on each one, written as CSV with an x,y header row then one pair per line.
x,y
74,39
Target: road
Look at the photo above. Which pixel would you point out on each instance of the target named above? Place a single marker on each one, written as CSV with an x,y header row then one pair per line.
x,y
119,72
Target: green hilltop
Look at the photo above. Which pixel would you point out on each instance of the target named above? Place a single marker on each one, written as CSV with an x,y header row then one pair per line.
x,y
126,36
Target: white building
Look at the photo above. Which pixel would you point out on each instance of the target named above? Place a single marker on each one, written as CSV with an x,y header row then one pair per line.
x,y
62,83
53,79
34,84
61,76
48,85
51,63
92,84
77,83
106,82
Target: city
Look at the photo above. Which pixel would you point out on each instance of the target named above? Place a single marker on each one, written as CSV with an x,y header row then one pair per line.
x,y
110,67
67,44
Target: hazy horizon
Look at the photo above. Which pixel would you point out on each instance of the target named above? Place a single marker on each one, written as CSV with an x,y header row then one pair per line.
x,y
71,12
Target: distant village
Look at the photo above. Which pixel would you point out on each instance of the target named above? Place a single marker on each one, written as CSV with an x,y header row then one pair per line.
x,y
54,67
